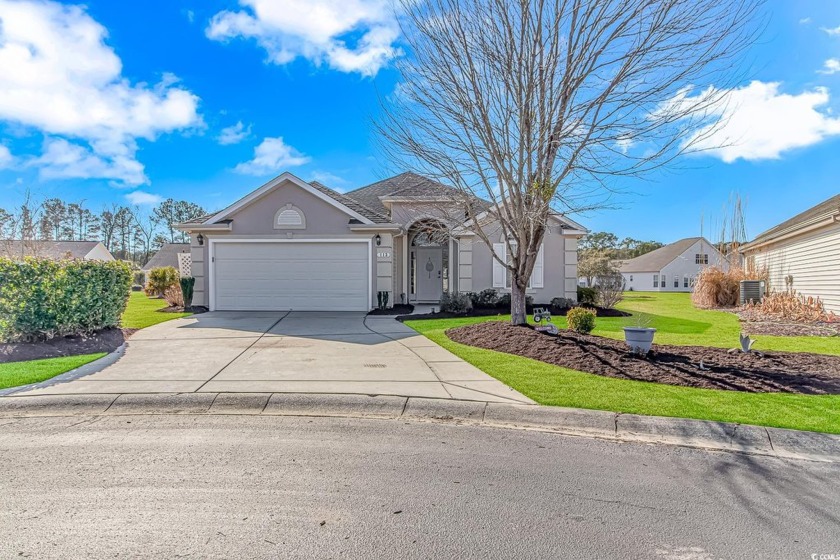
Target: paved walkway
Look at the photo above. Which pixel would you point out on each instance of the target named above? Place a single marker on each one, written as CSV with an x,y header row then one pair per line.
x,y
296,352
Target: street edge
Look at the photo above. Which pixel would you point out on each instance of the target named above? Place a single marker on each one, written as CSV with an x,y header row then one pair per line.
x,y
701,434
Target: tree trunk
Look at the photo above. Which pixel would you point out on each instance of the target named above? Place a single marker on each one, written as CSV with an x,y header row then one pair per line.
x,y
518,313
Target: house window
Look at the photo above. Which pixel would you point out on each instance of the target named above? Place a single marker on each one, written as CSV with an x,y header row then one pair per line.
x,y
685,281
701,258
289,217
676,281
655,280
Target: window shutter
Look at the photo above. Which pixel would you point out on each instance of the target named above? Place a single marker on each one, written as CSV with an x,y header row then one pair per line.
x,y
537,273
499,268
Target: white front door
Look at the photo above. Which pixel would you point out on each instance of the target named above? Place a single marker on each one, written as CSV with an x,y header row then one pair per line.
x,y
429,273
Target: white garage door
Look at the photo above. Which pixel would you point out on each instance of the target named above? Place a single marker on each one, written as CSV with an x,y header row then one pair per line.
x,y
302,276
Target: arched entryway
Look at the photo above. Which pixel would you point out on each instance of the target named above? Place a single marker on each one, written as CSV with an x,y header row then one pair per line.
x,y
428,263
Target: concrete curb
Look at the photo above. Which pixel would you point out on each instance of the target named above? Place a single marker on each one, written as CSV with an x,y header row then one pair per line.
x,y
721,436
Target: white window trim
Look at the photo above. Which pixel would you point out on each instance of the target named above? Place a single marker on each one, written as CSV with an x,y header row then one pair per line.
x,y
501,278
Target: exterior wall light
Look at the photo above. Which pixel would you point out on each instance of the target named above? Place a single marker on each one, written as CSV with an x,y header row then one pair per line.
x,y
200,239
378,240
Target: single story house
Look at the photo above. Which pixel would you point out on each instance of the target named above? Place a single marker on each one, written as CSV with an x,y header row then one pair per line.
x,y
671,268
55,250
804,249
170,254
292,244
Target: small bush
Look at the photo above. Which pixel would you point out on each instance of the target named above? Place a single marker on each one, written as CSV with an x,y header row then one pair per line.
x,y
137,288
455,302
581,320
504,301
188,287
561,303
587,296
139,277
41,299
790,306
486,299
160,280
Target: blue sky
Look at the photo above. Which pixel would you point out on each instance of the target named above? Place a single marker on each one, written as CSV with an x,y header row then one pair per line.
x,y
128,102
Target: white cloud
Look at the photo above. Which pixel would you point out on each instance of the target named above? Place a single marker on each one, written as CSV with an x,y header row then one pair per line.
x,y
316,30
61,159
327,178
59,77
805,21
234,134
272,156
6,157
141,198
190,16
832,30
831,66
757,122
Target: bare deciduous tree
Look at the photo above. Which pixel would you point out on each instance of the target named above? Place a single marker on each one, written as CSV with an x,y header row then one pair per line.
x,y
536,106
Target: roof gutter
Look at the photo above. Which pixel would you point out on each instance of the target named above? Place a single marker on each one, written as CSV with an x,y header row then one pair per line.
x,y
376,227
823,221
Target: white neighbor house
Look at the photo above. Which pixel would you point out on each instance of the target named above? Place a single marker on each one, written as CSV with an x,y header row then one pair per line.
x,y
671,268
806,248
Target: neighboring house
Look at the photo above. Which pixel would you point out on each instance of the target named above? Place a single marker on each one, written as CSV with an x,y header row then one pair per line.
x,y
168,255
303,246
55,250
671,268
806,248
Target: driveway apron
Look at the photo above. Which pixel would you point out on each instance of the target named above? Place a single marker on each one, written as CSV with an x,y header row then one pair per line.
x,y
288,352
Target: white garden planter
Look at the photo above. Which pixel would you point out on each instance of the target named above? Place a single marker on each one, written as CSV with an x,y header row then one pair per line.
x,y
639,339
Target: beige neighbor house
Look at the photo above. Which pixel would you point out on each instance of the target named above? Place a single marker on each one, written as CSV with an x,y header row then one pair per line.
x,y
296,245
804,249
55,250
671,268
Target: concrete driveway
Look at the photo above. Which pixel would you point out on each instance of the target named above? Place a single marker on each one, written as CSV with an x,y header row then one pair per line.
x,y
290,352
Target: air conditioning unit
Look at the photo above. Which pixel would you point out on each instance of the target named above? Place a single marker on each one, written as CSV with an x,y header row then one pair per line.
x,y
751,291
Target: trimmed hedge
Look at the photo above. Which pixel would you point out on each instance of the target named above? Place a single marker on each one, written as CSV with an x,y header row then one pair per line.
x,y
41,299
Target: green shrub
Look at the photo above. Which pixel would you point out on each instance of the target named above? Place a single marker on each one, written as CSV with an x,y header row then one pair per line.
x,y
504,301
40,298
587,296
581,320
455,302
187,288
486,299
161,279
561,304
139,277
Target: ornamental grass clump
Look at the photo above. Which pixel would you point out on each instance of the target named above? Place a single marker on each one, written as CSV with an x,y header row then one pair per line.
x,y
581,320
160,280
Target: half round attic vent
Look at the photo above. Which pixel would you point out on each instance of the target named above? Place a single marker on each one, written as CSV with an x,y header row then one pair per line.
x,y
289,217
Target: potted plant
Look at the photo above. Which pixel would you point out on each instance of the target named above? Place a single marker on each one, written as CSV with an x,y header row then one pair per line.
x,y
639,337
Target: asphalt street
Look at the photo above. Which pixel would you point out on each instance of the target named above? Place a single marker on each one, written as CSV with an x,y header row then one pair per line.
x,y
284,487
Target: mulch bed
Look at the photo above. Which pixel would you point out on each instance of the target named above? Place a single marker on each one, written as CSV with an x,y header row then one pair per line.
x,y
493,311
106,340
771,372
398,309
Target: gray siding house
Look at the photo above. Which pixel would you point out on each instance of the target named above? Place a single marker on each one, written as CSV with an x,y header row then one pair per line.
x,y
292,244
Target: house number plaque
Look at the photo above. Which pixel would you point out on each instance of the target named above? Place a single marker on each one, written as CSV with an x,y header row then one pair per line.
x,y
383,254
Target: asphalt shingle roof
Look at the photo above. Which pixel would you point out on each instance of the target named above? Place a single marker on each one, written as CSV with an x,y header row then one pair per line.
x,y
658,259
167,255
353,204
825,208
408,184
55,250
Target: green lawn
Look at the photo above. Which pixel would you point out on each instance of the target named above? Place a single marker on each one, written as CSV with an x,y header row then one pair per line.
x,y
679,323
15,374
141,312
